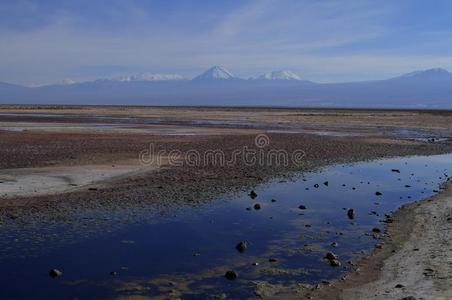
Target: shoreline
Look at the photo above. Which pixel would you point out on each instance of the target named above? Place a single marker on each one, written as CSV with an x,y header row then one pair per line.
x,y
410,260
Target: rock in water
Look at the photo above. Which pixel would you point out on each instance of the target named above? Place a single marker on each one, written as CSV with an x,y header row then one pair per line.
x,y
257,206
378,193
302,207
242,246
351,213
231,275
395,170
55,273
253,194
331,255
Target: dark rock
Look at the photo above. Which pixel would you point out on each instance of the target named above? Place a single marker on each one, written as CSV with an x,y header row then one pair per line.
x,y
395,170
257,206
399,286
331,255
55,273
253,194
271,259
242,246
92,189
326,183
273,200
409,298
302,206
376,230
378,193
230,275
113,273
351,213
334,244
316,185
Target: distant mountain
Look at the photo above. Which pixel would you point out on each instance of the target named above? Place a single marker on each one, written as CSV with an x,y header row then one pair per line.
x,y
430,74
421,89
215,73
149,77
279,75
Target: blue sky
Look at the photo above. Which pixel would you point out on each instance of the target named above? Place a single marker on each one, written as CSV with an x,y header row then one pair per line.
x,y
49,40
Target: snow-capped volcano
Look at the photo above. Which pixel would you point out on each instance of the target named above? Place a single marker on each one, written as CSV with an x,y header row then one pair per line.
x,y
215,73
149,77
279,75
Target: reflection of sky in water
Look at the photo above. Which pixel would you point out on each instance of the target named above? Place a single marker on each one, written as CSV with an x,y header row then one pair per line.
x,y
195,245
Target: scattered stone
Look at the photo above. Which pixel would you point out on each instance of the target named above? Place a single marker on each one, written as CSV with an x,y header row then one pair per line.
x,y
334,244
331,255
92,189
395,170
248,208
399,286
351,213
302,207
378,193
242,246
253,194
407,185
316,185
326,183
273,200
55,273
257,206
376,230
409,298
230,275
271,259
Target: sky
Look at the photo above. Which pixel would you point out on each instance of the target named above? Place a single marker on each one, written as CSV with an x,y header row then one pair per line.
x,y
47,41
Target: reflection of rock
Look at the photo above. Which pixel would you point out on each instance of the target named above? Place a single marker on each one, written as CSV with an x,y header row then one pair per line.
x,y
231,275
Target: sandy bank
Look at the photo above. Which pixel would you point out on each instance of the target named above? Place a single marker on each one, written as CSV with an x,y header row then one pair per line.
x,y
414,261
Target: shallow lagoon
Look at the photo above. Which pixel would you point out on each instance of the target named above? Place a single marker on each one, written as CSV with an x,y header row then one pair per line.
x,y
185,251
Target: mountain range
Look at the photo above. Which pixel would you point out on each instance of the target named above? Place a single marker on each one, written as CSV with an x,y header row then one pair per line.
x,y
217,86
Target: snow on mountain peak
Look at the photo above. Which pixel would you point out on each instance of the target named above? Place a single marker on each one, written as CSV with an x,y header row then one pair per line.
x,y
149,77
215,73
279,75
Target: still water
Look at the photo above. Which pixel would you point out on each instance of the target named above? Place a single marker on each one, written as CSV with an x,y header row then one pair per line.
x,y
186,251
